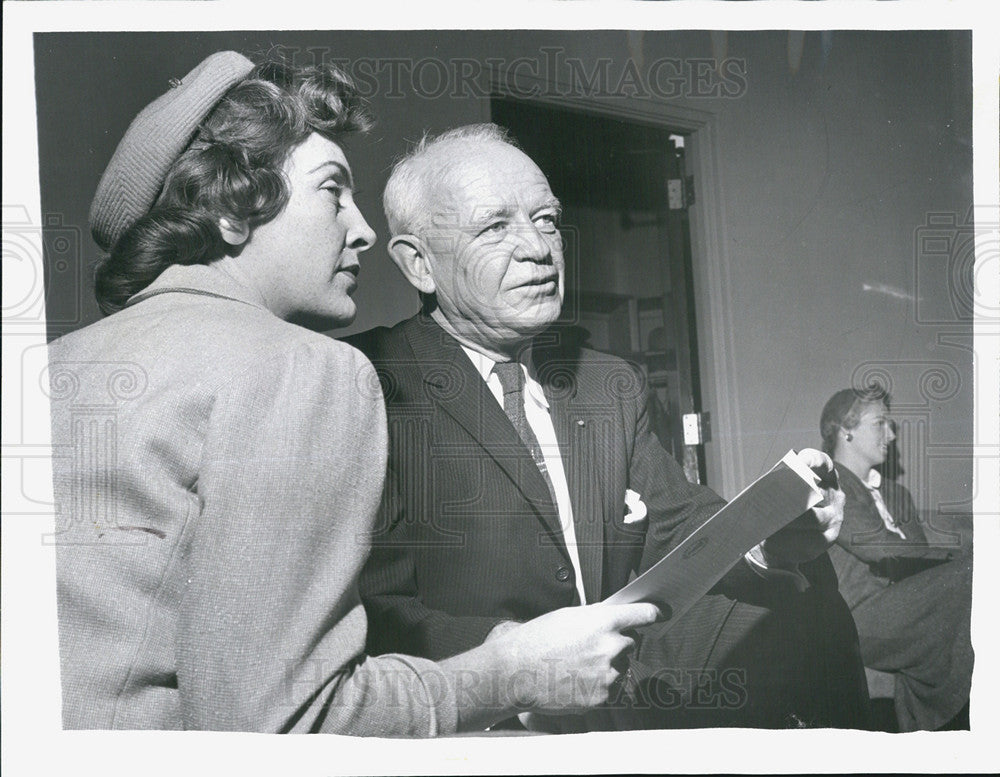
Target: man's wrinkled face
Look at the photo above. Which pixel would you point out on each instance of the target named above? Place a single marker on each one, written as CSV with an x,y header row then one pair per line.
x,y
495,252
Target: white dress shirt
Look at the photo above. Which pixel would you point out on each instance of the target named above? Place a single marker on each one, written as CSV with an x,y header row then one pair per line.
x,y
536,408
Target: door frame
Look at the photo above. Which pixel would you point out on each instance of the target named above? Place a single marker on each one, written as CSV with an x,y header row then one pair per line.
x,y
710,261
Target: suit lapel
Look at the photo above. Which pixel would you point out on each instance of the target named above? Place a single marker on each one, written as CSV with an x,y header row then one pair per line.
x,y
580,456
455,386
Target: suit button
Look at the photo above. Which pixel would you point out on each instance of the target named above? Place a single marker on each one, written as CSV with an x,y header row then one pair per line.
x,y
563,574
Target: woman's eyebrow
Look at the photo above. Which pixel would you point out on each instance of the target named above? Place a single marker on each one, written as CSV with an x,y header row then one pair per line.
x,y
344,172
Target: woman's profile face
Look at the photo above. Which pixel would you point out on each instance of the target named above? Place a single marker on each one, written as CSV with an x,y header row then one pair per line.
x,y
871,437
310,249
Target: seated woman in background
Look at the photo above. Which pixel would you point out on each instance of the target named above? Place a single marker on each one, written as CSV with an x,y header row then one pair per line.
x,y
217,468
911,601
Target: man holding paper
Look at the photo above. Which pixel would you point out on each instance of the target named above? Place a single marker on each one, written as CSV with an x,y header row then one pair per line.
x,y
523,474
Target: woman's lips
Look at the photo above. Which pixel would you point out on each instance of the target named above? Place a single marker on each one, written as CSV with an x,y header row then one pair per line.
x,y
349,275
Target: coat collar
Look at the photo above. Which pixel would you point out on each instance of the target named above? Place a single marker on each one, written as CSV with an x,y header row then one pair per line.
x,y
454,384
853,486
199,279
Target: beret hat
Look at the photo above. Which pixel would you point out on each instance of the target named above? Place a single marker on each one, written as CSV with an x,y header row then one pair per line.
x,y
155,138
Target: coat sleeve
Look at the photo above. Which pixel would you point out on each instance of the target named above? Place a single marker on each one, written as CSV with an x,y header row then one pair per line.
x,y
271,630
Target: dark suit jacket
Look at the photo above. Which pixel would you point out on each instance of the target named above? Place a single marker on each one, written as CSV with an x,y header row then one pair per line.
x,y
468,535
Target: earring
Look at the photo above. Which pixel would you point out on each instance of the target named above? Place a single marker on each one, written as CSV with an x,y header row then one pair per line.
x,y
848,436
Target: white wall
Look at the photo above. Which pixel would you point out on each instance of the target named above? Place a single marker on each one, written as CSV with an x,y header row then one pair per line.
x,y
827,176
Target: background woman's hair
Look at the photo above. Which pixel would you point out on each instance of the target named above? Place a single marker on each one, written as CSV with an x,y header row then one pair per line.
x,y
232,169
843,411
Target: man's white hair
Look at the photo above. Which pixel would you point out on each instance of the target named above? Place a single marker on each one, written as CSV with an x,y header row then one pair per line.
x,y
406,199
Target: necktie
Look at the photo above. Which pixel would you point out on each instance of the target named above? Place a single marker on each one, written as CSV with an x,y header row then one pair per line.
x,y
512,380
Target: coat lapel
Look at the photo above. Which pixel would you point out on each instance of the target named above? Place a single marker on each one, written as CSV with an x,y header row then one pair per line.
x,y
581,455
453,385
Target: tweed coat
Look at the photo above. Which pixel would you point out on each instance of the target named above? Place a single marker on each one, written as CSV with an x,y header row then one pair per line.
x,y
217,471
468,535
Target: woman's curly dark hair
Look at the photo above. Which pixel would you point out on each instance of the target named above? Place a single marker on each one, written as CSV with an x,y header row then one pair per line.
x,y
232,169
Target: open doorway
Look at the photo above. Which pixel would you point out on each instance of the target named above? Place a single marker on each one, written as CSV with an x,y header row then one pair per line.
x,y
625,196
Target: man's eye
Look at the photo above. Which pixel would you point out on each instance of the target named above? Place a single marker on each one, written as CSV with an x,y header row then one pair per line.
x,y
546,221
496,226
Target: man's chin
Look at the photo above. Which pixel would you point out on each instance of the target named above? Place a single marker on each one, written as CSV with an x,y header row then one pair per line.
x,y
538,313
539,321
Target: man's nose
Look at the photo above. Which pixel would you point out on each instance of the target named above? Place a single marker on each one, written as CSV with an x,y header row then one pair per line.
x,y
532,244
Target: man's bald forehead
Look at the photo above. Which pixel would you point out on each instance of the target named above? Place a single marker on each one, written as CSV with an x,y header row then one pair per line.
x,y
428,178
456,166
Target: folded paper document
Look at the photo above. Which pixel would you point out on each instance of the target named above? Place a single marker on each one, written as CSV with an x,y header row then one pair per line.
x,y
690,570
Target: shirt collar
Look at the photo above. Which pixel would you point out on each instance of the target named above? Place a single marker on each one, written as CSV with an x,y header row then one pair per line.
x,y
874,479
484,365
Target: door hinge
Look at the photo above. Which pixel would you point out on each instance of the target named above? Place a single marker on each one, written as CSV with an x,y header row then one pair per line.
x,y
680,192
697,430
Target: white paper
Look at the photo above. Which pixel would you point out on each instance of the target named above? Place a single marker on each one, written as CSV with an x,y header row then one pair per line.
x,y
690,570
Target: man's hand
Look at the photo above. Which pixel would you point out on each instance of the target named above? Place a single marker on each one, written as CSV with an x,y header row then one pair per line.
x,y
568,660
814,531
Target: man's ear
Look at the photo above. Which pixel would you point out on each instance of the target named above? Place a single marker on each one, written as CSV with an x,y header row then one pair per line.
x,y
234,232
411,257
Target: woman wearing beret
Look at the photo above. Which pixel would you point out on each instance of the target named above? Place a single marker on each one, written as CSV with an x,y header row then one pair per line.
x,y
218,469
911,601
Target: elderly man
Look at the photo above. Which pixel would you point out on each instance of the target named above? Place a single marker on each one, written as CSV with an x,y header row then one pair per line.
x,y
511,454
